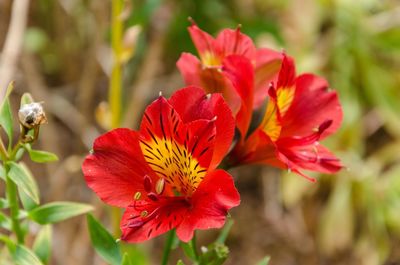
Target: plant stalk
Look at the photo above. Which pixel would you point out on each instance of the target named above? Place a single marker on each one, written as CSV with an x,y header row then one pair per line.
x,y
12,199
167,247
115,86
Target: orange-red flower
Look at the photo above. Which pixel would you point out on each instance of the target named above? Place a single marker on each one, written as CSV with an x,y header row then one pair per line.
x,y
302,110
230,64
165,174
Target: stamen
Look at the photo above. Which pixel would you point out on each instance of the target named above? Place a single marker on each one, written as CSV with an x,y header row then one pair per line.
x,y
208,96
143,214
147,183
160,185
152,197
137,196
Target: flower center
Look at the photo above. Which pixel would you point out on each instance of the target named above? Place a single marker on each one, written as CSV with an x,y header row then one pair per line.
x,y
174,163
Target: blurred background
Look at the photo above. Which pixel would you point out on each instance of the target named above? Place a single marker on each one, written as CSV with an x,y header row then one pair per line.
x,y
63,57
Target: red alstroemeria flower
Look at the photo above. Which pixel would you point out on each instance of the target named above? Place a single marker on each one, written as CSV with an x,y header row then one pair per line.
x,y
165,174
217,56
301,112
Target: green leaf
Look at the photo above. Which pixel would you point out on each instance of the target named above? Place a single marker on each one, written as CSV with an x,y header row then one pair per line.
x,y
216,254
39,156
58,211
25,256
26,99
5,221
264,261
4,203
104,244
187,248
225,231
6,120
180,262
27,202
42,244
2,173
125,259
23,178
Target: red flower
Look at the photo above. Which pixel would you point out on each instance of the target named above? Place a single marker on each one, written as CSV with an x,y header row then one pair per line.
x,y
165,174
231,49
301,112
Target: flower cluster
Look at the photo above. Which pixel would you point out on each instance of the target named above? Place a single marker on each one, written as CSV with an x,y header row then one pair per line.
x,y
165,174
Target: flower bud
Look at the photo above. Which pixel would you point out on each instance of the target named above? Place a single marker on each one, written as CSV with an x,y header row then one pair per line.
x,y
32,115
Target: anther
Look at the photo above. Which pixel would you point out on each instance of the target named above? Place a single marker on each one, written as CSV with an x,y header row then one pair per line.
x,y
143,214
152,197
160,185
137,196
147,183
208,96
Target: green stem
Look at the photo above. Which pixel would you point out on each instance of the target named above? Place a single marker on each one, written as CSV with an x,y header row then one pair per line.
x,y
115,86
115,89
167,247
193,245
13,202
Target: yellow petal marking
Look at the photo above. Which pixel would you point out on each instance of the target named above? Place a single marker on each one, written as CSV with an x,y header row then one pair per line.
x,y
209,59
174,163
270,124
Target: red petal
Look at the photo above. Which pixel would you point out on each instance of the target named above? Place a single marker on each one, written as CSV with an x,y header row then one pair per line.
x,y
209,204
268,63
116,169
205,45
179,152
234,42
312,157
287,73
257,149
191,103
163,215
313,104
240,71
190,68
210,79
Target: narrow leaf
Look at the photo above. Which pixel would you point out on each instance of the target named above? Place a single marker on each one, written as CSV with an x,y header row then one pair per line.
x,y
6,119
26,99
27,202
58,211
103,242
264,261
23,178
24,256
4,203
42,244
5,221
125,259
42,156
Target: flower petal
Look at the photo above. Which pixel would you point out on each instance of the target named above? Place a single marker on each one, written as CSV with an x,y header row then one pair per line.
x,y
210,79
191,103
209,204
178,152
117,164
312,157
240,71
146,219
234,42
209,53
313,103
268,63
